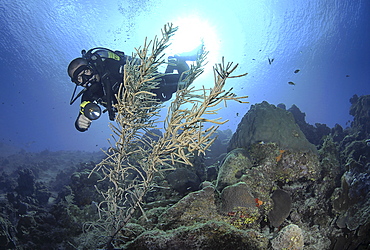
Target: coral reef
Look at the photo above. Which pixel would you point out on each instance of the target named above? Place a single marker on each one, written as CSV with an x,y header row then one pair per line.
x,y
266,123
314,134
208,235
236,195
234,165
183,180
281,209
360,111
259,195
199,206
290,237
36,212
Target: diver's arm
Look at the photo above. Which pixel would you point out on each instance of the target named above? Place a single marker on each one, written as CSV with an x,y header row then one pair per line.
x,y
82,123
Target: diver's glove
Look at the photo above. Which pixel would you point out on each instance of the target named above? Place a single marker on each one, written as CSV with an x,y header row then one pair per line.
x,y
82,123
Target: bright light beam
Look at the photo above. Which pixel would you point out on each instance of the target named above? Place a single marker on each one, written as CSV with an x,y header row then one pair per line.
x,y
192,31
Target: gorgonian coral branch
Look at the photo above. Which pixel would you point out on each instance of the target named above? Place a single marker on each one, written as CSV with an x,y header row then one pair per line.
x,y
134,158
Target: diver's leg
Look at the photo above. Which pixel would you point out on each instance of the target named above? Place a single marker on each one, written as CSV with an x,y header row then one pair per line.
x,y
172,64
177,64
181,66
178,61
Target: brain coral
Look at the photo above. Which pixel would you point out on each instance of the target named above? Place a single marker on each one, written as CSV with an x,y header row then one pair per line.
x,y
290,237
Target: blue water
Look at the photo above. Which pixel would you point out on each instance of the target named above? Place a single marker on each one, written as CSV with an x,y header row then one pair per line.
x,y
326,40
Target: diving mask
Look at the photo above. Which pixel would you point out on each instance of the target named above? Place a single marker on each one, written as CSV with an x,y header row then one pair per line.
x,y
83,76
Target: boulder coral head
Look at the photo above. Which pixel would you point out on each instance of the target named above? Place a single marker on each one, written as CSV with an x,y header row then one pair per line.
x,y
265,122
290,237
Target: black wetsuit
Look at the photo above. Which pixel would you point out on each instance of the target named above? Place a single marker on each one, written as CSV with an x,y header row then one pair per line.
x,y
109,66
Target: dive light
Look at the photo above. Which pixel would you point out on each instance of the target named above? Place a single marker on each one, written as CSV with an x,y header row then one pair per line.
x,y
90,110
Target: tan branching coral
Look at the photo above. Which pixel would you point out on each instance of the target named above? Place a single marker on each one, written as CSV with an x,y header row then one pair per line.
x,y
136,154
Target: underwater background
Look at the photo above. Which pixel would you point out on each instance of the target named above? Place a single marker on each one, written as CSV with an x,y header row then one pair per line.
x,y
328,41
289,170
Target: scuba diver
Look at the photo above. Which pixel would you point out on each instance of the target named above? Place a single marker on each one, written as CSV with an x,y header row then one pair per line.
x,y
100,72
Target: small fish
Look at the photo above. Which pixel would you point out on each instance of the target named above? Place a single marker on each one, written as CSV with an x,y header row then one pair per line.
x,y
296,71
291,83
271,60
347,75
237,114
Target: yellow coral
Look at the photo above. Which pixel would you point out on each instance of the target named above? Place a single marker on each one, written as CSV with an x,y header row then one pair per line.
x,y
243,217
